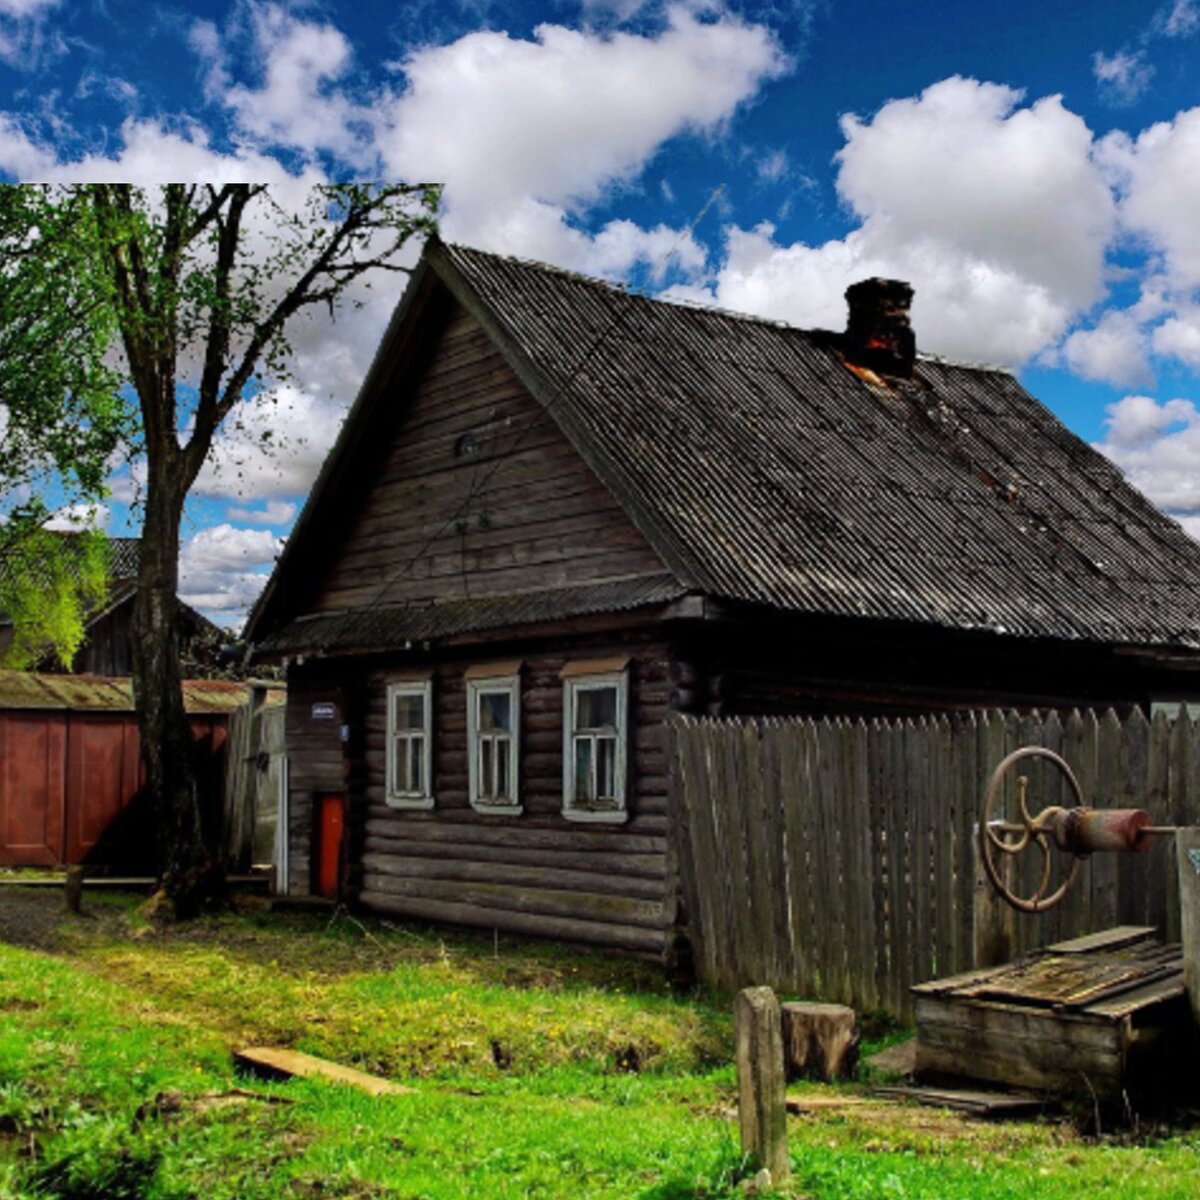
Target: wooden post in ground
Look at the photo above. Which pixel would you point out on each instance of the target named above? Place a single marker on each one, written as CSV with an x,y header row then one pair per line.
x,y
994,919
1187,854
74,889
762,1109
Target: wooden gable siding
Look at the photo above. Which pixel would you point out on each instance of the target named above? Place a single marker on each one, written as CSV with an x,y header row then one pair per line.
x,y
522,512
534,873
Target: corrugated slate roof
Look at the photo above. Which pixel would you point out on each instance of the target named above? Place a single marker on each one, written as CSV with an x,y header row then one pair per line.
x,y
395,625
763,469
99,693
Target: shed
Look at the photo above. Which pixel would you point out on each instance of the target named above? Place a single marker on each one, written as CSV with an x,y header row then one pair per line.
x,y
71,777
559,511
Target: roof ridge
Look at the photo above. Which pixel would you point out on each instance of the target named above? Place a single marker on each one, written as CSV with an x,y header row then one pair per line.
x,y
701,306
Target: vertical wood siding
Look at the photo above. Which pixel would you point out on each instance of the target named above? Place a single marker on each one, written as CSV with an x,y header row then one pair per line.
x,y
835,858
520,511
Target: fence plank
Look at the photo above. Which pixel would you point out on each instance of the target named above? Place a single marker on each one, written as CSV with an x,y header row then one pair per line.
x,y
835,857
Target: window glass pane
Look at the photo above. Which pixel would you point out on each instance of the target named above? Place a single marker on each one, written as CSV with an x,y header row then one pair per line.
x,y
583,771
416,769
486,766
410,711
596,708
495,712
503,747
606,768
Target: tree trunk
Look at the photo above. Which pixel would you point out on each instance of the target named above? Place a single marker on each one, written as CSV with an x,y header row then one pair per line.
x,y
189,873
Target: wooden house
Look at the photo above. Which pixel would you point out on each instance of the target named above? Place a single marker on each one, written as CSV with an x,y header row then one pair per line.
x,y
559,511
105,650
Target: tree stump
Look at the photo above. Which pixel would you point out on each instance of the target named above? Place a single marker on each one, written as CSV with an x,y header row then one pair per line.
x,y
762,1111
820,1041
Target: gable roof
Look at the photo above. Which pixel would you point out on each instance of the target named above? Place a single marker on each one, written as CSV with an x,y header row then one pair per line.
x,y
763,469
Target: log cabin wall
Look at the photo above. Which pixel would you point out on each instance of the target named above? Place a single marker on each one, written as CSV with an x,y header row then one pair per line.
x,y
477,494
537,872
811,668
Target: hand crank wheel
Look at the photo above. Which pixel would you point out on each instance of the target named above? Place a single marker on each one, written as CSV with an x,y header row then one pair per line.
x,y
1000,837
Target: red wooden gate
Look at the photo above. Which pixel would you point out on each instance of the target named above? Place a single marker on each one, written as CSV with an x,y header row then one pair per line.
x,y
71,780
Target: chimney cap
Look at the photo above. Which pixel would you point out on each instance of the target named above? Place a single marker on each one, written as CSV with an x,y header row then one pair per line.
x,y
878,286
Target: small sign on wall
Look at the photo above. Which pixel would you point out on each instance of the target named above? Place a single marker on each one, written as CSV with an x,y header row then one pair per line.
x,y
324,710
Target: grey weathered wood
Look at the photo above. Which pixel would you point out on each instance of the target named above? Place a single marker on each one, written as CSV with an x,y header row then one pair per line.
x,y
1187,850
820,1041
73,890
762,1112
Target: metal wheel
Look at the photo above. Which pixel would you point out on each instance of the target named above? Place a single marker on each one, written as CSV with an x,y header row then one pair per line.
x,y
1001,840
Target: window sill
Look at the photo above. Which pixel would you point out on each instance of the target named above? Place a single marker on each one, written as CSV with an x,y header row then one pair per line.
x,y
597,816
423,803
498,810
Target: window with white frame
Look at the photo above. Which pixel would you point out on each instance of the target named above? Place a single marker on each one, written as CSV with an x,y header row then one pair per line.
x,y
595,735
410,744
493,742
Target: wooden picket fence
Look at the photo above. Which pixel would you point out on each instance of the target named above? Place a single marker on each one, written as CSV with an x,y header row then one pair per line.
x,y
836,858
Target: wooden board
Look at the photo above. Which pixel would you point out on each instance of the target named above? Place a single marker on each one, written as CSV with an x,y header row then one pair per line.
x,y
978,1103
294,1064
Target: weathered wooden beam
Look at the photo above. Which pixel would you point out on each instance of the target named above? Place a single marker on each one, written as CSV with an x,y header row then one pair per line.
x,y
762,1111
278,1063
820,1041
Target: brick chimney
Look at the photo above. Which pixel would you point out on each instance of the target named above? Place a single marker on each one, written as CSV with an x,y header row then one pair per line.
x,y
878,334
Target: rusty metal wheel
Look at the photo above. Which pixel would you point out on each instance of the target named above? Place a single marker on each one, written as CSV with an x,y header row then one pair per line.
x,y
1001,841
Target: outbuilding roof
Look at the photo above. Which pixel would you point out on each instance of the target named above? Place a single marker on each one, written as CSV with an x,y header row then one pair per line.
x,y
763,468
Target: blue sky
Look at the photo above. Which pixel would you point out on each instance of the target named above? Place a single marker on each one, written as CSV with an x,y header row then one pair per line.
x,y
1033,169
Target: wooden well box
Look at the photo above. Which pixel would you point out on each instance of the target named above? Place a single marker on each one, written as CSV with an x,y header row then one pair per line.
x,y
1104,1016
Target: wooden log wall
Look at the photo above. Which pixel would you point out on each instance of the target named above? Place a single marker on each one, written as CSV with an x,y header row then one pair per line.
x,y
835,858
537,872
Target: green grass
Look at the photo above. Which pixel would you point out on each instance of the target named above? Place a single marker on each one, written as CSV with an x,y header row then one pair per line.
x,y
116,1081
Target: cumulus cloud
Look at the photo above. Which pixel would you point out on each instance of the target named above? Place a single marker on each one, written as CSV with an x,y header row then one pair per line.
x,y
1004,252
222,569
1179,337
1157,445
274,512
1159,185
1112,351
272,446
523,132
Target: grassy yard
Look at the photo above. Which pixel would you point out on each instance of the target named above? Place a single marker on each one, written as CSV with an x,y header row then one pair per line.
x,y
535,1073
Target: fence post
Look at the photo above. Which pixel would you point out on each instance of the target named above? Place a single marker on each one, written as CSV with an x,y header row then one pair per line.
x,y
762,1104
74,889
994,920
1187,853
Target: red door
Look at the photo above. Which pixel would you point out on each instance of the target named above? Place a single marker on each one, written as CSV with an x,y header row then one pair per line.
x,y
331,821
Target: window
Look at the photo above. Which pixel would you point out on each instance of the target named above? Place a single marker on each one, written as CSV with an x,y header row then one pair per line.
x,y
493,742
410,736
594,744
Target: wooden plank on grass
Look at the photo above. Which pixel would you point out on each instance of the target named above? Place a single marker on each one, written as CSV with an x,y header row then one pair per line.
x,y
267,1060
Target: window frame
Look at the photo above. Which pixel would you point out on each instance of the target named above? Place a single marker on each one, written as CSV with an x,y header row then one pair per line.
x,y
477,686
573,685
392,797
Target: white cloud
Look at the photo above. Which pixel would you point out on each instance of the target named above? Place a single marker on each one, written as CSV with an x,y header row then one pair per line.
x,y
297,105
272,446
1158,180
20,30
222,569
1124,76
522,132
1179,337
274,512
1158,448
76,517
1182,19
1003,253
1112,351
